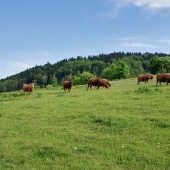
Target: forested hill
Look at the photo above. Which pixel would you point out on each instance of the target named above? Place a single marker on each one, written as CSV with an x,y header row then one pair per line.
x,y
112,66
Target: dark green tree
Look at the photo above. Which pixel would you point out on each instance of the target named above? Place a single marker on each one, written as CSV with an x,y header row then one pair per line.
x,y
159,65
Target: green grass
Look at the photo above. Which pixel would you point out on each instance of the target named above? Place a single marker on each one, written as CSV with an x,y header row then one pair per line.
x,y
124,127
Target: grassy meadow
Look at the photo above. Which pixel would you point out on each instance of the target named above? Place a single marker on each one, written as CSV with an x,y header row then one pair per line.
x,y
124,127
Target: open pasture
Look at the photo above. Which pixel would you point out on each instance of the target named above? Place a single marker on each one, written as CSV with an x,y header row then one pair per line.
x,y
124,127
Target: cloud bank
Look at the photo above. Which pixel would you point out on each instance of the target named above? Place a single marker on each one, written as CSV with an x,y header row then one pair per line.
x,y
150,4
21,65
135,42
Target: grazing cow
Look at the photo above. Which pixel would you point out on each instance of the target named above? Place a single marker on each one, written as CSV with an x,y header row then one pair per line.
x,y
168,79
28,87
96,82
68,85
144,78
107,82
163,78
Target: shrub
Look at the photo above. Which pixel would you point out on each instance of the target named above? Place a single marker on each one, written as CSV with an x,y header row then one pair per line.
x,y
49,87
143,89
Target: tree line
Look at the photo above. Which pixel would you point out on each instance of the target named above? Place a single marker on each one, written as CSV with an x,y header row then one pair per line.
x,y
112,66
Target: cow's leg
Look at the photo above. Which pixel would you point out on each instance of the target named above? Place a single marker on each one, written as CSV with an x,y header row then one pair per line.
x,y
88,86
156,82
91,87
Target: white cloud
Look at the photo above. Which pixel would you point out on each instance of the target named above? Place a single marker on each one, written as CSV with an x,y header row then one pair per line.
x,y
13,68
151,5
135,42
38,57
39,53
138,45
20,65
128,38
165,41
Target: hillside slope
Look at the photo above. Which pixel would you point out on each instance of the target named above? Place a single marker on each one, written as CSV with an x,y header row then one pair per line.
x,y
124,127
124,65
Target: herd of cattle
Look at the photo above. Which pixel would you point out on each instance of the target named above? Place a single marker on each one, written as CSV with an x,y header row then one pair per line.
x,y
99,82
159,78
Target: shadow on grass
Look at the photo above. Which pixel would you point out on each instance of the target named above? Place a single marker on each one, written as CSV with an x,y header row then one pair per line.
x,y
48,152
157,123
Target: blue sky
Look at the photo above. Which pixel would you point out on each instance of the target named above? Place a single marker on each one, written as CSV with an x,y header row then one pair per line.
x,y
34,32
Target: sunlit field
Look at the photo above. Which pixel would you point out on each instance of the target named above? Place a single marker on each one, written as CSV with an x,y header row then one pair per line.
x,y
124,127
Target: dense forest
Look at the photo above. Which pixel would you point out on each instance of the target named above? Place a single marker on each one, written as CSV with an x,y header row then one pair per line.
x,y
112,66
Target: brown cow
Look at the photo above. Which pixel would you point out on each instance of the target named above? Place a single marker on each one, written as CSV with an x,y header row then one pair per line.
x,y
144,78
96,82
168,79
163,78
68,85
107,82
28,87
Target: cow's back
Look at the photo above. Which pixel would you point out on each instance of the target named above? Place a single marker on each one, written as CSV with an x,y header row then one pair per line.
x,y
162,78
96,82
28,87
142,78
68,84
